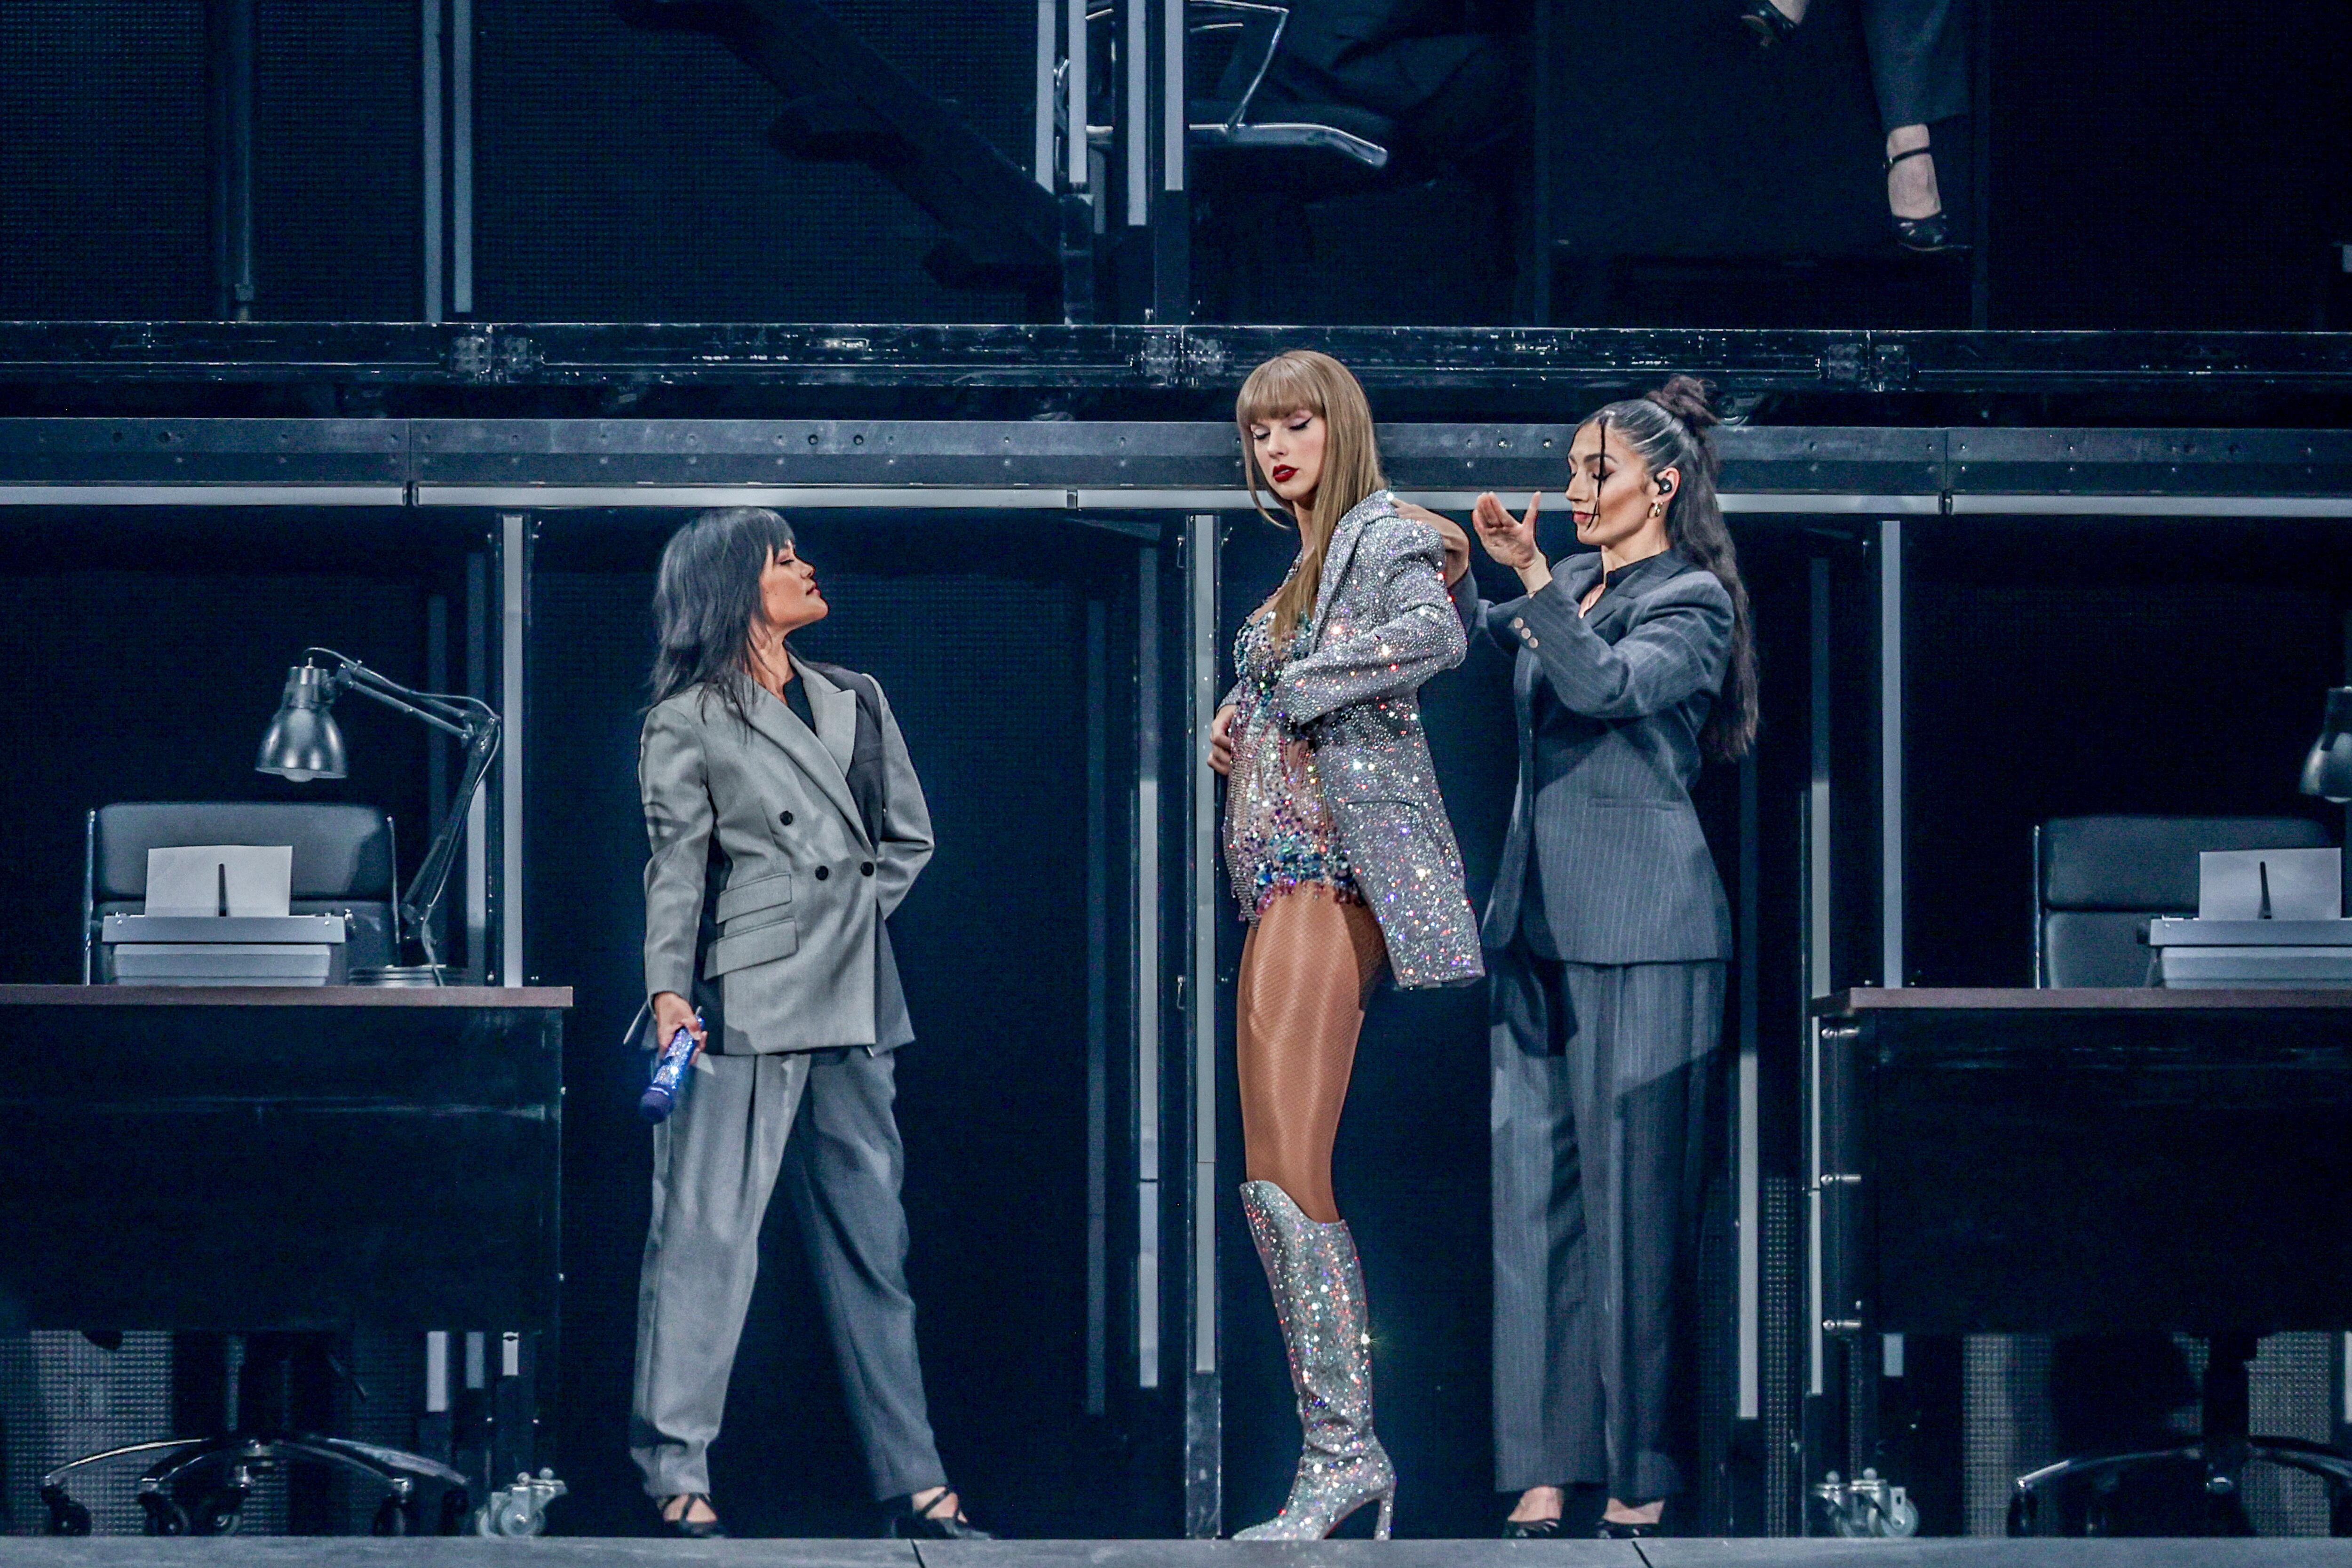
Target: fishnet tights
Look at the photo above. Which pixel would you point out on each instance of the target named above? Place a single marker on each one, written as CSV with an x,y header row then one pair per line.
x,y
1307,968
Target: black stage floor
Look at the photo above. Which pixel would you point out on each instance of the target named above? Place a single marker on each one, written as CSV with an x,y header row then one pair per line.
x,y
598,1552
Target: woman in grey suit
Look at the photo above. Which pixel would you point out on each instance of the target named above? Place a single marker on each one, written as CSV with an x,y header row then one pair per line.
x,y
1607,937
786,823
1339,849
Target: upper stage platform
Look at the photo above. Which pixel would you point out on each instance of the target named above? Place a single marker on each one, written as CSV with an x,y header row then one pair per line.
x,y
136,1552
1540,372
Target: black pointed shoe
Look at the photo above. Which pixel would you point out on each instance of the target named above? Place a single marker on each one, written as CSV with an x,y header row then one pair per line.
x,y
1767,22
685,1529
908,1522
1930,235
1532,1529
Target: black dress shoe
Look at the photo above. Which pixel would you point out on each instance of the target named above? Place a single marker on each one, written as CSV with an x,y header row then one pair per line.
x,y
1613,1530
1767,22
1531,1529
685,1529
908,1522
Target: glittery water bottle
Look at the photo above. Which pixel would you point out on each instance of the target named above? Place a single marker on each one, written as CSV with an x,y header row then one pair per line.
x,y
661,1096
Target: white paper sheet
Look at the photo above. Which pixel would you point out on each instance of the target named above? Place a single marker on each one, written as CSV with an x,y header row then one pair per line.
x,y
2304,884
199,880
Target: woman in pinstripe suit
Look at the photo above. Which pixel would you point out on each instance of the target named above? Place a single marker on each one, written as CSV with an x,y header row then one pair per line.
x,y
1606,939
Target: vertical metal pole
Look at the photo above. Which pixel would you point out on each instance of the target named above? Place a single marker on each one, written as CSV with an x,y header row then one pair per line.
x,y
232,45
1203,1404
1148,1003
1817,932
478,811
1049,52
514,573
1536,288
1890,751
1135,111
1172,219
1981,168
1098,1004
1748,1173
435,111
436,749
1075,146
1171,94
461,157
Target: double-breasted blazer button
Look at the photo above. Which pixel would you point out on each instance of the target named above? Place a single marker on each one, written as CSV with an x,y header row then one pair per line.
x,y
785,818
822,872
865,867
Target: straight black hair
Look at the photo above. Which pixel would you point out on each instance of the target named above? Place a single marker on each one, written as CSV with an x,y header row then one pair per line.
x,y
1668,429
706,595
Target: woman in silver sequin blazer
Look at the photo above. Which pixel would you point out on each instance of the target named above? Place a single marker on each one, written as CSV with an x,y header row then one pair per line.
x,y
1338,849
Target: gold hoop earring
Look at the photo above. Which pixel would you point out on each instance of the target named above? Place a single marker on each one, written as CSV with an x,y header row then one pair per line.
x,y
1656,507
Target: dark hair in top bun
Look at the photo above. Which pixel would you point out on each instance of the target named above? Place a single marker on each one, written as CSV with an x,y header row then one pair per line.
x,y
1668,429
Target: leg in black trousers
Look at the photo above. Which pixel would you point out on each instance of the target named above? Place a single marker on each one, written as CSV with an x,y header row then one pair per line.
x,y
1599,1102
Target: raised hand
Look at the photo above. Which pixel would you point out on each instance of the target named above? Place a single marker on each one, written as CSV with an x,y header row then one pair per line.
x,y
1509,540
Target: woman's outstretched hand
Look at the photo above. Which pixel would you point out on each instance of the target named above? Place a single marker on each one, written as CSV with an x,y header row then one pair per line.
x,y
1512,539
1450,536
1220,739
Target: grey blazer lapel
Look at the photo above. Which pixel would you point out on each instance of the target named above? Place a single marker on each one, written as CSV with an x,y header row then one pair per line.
x,y
1339,551
835,708
780,724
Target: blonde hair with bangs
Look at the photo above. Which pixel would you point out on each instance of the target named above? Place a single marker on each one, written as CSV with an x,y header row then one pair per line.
x,y
1321,385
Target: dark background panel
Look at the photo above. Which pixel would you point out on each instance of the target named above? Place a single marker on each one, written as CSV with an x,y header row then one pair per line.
x,y
338,144
2167,165
2061,668
103,207
625,174
975,631
146,656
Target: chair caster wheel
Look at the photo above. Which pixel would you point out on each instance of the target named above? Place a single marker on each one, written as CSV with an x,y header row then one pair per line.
x,y
217,1513
67,1517
165,1517
391,1518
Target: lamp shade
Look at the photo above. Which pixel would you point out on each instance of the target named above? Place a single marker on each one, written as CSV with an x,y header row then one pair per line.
x,y
303,742
2328,771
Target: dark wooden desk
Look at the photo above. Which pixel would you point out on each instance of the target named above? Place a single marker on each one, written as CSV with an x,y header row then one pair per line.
x,y
2074,1162
2086,1162
253,1158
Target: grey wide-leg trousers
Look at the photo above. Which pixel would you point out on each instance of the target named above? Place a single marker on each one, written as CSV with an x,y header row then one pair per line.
x,y
1600,1090
824,1119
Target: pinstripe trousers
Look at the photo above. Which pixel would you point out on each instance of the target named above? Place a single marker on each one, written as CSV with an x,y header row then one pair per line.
x,y
1599,1114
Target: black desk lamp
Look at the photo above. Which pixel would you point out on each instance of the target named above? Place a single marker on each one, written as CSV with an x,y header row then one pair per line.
x,y
302,743
2328,771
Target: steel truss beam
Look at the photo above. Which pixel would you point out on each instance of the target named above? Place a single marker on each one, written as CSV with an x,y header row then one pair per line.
x,y
1138,465
1171,358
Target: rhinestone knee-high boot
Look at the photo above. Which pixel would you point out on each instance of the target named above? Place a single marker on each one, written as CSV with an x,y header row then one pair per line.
x,y
1318,1295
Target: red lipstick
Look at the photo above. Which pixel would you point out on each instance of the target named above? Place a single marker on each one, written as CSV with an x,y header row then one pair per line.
x,y
1284,473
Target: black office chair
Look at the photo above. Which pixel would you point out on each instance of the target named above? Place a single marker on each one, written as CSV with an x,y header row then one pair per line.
x,y
1251,32
345,862
2098,881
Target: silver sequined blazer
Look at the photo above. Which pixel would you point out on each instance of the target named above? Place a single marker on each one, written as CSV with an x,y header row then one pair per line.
x,y
1382,626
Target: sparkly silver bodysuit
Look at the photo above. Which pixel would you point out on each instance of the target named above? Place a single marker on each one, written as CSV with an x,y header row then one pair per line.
x,y
1278,832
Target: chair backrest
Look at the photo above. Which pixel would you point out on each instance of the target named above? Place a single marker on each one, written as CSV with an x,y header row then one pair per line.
x,y
345,860
2097,881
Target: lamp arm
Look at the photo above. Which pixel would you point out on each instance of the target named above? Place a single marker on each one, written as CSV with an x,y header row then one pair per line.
x,y
425,889
474,722
459,717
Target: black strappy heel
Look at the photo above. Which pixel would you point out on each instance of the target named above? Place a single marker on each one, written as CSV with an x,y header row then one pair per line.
x,y
1767,22
687,1528
1928,235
